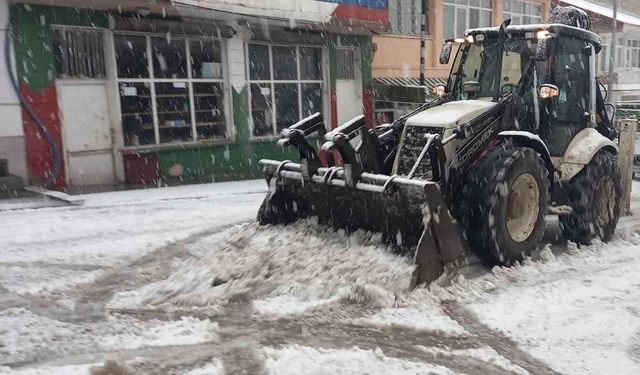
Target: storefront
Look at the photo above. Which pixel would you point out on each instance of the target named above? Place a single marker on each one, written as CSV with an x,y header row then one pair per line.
x,y
163,98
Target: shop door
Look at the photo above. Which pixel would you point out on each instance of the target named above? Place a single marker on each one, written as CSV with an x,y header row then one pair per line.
x,y
87,132
348,84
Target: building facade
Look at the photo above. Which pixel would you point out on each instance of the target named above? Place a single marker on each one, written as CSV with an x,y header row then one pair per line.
x,y
626,77
144,91
396,61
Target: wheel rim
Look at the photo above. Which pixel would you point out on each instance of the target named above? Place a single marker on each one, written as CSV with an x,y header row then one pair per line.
x,y
605,204
523,207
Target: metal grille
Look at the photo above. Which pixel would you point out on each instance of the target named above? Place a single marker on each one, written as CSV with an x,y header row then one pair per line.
x,y
345,60
412,144
79,53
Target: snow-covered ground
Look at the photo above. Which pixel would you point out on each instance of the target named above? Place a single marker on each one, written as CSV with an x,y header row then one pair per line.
x,y
180,281
297,360
113,228
579,311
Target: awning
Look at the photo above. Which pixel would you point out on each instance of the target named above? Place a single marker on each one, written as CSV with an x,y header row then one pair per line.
x,y
404,89
409,82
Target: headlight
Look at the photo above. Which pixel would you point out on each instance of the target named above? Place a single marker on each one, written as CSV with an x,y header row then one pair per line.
x,y
542,34
438,90
548,91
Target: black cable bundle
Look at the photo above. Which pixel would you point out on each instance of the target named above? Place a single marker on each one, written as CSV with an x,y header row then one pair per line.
x,y
571,16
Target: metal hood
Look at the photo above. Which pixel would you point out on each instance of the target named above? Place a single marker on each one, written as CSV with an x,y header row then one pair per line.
x,y
450,114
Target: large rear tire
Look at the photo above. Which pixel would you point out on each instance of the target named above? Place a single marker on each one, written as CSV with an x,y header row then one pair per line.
x,y
506,202
594,194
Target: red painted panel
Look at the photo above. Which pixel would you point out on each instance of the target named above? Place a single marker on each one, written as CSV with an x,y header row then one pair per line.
x,y
142,168
367,105
39,157
361,13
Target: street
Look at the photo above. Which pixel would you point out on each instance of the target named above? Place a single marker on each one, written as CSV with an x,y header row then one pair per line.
x,y
181,280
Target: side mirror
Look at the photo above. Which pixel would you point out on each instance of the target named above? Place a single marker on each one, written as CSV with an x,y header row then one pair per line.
x,y
438,90
548,91
445,53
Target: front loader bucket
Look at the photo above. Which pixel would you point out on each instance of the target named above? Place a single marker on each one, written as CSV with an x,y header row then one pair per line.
x,y
409,213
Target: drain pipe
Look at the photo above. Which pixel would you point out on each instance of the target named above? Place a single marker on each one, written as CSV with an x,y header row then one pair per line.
x,y
423,38
55,152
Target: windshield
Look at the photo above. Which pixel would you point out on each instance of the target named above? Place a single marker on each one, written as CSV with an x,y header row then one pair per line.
x,y
479,63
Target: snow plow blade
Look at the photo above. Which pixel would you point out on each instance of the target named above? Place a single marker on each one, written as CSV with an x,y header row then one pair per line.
x,y
410,213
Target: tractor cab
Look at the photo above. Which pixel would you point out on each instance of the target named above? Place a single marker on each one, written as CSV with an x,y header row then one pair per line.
x,y
548,70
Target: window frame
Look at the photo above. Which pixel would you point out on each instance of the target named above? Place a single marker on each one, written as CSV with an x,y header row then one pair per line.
x,y
621,47
396,20
511,13
272,82
631,50
456,6
189,80
102,32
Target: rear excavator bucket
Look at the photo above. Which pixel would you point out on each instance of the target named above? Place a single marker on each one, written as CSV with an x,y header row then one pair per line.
x,y
410,213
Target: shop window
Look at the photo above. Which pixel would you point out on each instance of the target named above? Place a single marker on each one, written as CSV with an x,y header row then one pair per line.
x,y
209,114
287,64
174,111
79,53
311,63
522,12
633,53
281,96
169,58
261,109
206,59
175,96
131,56
137,116
620,62
287,105
311,98
259,63
460,15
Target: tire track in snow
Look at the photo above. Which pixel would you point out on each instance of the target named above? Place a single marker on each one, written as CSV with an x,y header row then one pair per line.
x,y
496,340
153,266
243,334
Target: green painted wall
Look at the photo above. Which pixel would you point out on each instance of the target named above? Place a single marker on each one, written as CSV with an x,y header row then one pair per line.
x,y
225,162
33,41
221,162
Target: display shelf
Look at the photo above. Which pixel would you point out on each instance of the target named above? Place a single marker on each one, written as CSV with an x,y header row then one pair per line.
x,y
215,123
187,126
136,114
172,112
211,94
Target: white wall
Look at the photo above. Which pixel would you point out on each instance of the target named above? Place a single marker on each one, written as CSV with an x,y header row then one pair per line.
x,y
11,130
9,110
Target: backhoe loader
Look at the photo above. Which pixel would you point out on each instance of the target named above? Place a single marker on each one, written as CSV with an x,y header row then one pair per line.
x,y
520,130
